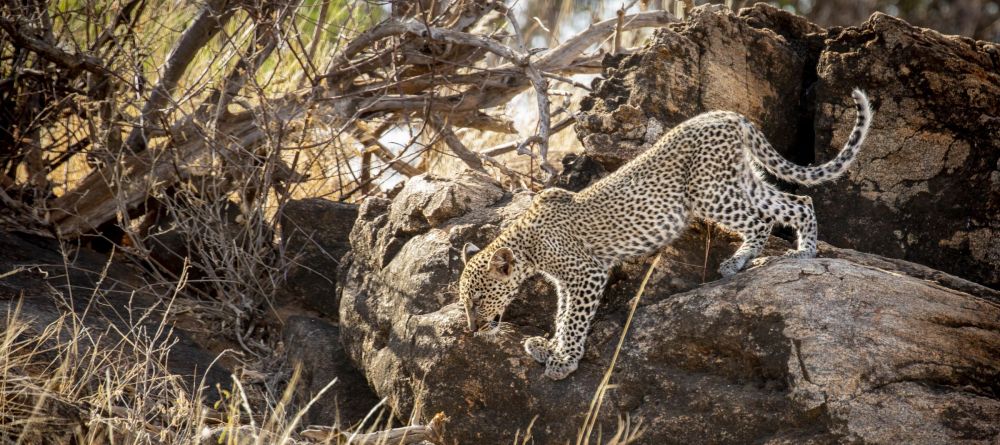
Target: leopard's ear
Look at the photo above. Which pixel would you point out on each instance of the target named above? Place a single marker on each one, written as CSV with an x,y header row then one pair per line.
x,y
468,251
502,263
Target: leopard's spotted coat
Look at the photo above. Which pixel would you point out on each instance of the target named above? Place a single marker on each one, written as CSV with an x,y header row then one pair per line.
x,y
707,167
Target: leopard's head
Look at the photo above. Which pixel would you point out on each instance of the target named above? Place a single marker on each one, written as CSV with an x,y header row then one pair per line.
x,y
487,285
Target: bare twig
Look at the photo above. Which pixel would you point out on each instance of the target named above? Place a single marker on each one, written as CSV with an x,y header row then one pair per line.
x,y
473,159
467,156
266,37
618,31
564,54
324,10
708,249
515,145
371,143
567,80
18,30
542,97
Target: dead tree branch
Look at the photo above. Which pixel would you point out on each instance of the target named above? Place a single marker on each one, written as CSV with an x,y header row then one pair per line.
x,y
372,145
20,31
376,75
213,16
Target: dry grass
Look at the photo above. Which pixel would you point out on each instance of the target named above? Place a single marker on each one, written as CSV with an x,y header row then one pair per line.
x,y
626,432
74,380
65,382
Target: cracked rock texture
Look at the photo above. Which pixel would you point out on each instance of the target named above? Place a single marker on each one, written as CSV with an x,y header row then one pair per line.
x,y
926,187
847,348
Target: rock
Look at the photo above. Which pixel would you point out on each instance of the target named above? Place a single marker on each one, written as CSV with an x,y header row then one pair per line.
x,y
47,286
314,236
849,349
816,351
933,141
315,345
383,226
714,60
926,186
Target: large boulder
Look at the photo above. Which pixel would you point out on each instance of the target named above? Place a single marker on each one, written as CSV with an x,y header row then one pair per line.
x,y
314,239
850,347
926,186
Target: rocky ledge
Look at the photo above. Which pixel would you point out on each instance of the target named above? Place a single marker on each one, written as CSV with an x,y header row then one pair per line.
x,y
848,347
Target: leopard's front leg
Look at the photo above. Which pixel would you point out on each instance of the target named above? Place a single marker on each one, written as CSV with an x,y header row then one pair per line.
x,y
540,348
579,297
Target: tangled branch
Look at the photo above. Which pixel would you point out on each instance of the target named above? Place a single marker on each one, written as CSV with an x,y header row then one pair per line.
x,y
415,66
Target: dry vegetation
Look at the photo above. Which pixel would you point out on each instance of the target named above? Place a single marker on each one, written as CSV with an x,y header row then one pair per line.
x,y
125,123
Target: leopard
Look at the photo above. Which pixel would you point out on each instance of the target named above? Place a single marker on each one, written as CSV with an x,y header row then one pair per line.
x,y
710,167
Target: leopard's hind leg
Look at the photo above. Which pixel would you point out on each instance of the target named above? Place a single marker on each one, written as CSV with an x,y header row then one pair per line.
x,y
754,238
737,209
794,211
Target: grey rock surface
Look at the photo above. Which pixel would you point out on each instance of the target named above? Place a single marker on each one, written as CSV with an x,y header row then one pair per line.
x,y
314,345
107,298
850,348
926,187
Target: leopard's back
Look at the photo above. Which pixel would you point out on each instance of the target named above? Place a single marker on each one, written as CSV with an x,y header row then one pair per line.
x,y
646,203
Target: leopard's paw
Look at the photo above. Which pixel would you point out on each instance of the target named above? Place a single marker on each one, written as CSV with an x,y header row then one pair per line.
x,y
762,261
731,266
804,254
557,368
537,348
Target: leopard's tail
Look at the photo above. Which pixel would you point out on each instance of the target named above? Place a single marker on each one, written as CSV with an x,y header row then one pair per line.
x,y
767,157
